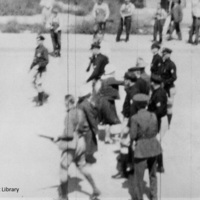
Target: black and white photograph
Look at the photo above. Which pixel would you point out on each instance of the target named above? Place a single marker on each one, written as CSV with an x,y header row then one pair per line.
x,y
100,99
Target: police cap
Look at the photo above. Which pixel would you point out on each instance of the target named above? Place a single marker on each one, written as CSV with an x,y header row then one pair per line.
x,y
130,76
167,50
95,46
40,37
141,98
155,46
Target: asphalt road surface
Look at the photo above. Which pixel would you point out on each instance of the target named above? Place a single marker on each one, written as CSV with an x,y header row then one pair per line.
x,y
31,163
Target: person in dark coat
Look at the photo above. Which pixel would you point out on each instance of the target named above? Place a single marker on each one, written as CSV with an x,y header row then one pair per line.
x,y
98,61
73,146
41,59
176,18
143,131
158,105
169,76
156,62
141,83
88,106
107,89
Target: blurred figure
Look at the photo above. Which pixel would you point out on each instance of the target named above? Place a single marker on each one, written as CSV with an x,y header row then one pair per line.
x,y
160,17
47,6
146,147
156,62
100,13
126,12
41,59
169,76
176,18
196,23
98,61
55,30
73,146
107,89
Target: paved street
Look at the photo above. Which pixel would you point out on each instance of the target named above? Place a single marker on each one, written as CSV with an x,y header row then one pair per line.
x,y
31,163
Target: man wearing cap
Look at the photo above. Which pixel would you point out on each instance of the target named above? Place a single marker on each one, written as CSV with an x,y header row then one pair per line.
x,y
73,146
88,105
98,61
158,105
108,91
41,59
156,62
100,13
126,12
55,30
143,131
168,75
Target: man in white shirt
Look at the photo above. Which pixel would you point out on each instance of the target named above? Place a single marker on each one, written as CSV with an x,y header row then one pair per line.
x,y
100,13
126,13
55,30
196,21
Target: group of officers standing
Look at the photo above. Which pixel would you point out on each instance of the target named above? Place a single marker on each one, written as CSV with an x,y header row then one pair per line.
x,y
149,99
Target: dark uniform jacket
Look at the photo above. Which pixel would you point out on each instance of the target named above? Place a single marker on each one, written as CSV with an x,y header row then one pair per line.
x,y
143,130
147,79
110,88
91,114
76,126
177,13
41,57
156,64
168,74
142,86
128,108
99,63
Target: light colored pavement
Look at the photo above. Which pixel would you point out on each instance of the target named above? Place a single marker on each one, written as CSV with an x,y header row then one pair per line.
x,y
31,163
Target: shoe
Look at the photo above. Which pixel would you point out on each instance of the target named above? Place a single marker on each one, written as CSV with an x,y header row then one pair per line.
x,y
108,141
160,169
190,42
169,38
117,40
95,194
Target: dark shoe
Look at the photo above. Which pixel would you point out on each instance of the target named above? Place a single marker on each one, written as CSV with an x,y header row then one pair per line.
x,y
95,195
120,175
160,169
117,40
190,41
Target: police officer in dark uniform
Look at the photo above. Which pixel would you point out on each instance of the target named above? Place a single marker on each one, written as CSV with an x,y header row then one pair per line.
x,y
156,63
98,61
168,75
143,131
158,105
41,60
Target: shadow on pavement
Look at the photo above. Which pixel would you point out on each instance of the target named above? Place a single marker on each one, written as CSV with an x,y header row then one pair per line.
x,y
129,185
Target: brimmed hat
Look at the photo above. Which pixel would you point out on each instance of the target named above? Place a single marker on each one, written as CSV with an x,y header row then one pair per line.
x,y
156,79
167,50
130,76
140,65
155,46
40,37
141,98
95,46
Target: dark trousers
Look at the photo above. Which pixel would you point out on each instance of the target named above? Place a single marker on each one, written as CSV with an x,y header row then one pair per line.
x,y
100,26
176,26
56,40
158,29
197,26
192,30
139,169
127,23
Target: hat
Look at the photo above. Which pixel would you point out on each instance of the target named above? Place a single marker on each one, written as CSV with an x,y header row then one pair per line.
x,y
85,90
95,46
130,76
155,46
134,69
156,79
55,10
109,69
141,98
167,50
140,65
40,37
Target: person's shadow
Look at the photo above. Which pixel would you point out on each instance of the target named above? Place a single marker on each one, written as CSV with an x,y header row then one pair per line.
x,y
128,183
73,186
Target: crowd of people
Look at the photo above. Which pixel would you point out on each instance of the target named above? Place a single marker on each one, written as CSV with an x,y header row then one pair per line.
x,y
149,100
